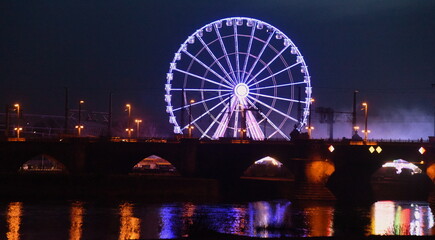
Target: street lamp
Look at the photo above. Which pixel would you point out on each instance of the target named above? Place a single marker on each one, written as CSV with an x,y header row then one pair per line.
x,y
17,106
18,130
310,128
366,109
190,117
129,130
79,129
137,121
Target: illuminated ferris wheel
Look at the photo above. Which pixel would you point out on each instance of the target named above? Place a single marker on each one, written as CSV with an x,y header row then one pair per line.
x,y
238,77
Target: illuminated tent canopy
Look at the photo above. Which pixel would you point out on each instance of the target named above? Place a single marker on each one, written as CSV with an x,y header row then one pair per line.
x,y
154,163
401,164
268,167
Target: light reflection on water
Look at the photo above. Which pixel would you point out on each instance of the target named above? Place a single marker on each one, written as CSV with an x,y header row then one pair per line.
x,y
77,211
261,219
402,218
13,218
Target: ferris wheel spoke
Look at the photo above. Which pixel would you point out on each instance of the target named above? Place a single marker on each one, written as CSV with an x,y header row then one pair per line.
x,y
224,49
273,109
215,59
201,89
273,75
248,52
205,113
207,67
277,98
268,64
236,43
223,124
202,101
202,78
214,121
259,55
276,86
269,121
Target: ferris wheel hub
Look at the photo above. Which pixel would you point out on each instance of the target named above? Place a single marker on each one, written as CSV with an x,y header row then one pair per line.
x,y
241,90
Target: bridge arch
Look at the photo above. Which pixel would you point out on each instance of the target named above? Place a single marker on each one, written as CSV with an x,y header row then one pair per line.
x,y
154,164
43,163
267,167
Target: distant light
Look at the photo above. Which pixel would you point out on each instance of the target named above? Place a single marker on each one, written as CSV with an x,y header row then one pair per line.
x,y
331,148
422,150
371,149
378,149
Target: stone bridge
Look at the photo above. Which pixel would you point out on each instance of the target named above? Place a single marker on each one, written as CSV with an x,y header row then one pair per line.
x,y
216,159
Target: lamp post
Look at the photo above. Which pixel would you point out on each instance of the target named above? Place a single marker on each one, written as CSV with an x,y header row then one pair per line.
x,y
137,121
129,130
354,126
18,128
310,127
366,109
190,117
80,127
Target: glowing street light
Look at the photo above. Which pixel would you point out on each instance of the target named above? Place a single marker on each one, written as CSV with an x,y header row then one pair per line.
x,y
128,129
17,107
137,121
190,117
79,129
310,127
366,131
18,130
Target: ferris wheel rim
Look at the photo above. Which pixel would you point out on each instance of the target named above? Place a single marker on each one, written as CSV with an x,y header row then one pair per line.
x,y
229,84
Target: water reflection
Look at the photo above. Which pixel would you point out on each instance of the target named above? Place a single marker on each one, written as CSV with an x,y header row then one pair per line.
x,y
263,219
77,211
13,219
402,218
129,225
320,221
267,216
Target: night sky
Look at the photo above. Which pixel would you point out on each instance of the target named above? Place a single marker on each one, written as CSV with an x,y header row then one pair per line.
x,y
384,49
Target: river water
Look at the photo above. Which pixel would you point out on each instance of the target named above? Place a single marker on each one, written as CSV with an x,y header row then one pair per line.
x,y
76,220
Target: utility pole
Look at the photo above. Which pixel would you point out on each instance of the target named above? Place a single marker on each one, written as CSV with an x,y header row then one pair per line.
x,y
7,120
109,123
354,128
65,126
